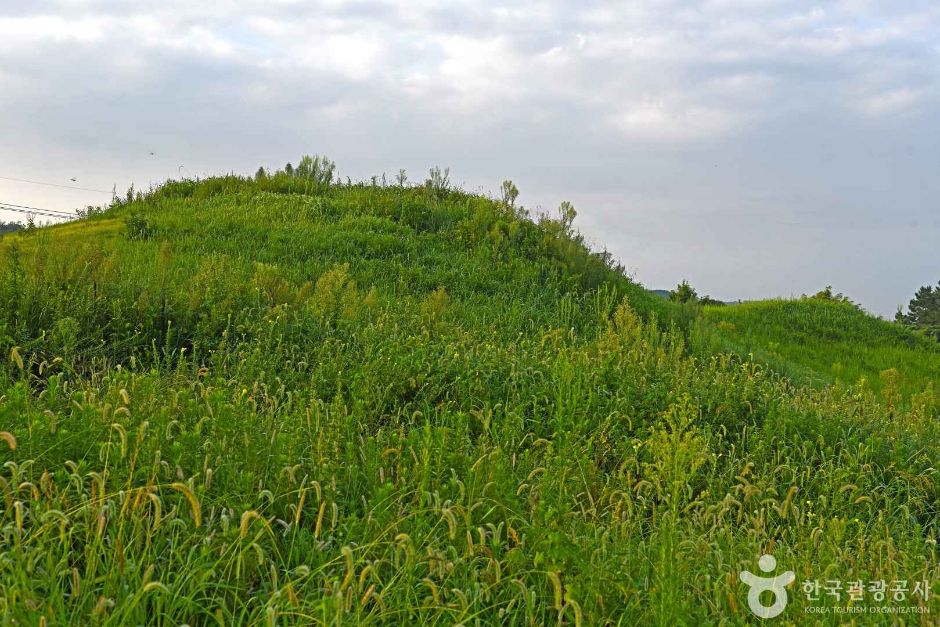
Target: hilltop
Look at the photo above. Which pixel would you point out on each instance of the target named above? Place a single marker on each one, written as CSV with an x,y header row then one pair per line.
x,y
280,399
820,342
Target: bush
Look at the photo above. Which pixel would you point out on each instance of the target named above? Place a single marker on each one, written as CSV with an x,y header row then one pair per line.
x,y
138,227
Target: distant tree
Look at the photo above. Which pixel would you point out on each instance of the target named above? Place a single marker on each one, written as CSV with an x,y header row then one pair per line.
x,y
289,169
89,211
923,312
829,295
684,293
402,178
708,301
509,192
260,174
9,227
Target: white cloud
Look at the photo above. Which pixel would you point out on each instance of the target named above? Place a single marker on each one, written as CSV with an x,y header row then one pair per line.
x,y
196,40
893,101
677,99
358,55
480,69
654,70
25,31
673,121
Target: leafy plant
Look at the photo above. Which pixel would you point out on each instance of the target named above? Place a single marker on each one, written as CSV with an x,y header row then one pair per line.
x,y
509,193
438,180
315,170
138,227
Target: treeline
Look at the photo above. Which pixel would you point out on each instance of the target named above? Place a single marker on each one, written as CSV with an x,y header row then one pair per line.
x,y
923,312
9,227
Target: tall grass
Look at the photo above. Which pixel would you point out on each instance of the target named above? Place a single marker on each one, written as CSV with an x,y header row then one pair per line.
x,y
274,401
822,342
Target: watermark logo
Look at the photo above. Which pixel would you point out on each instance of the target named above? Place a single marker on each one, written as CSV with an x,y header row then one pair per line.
x,y
776,584
834,596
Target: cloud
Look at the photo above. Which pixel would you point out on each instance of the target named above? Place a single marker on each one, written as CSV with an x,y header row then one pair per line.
x,y
889,102
479,69
758,108
16,32
659,71
667,119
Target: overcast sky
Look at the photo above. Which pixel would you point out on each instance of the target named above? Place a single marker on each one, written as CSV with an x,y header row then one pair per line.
x,y
754,147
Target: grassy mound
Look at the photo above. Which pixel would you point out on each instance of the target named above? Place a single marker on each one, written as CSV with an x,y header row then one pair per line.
x,y
284,401
821,342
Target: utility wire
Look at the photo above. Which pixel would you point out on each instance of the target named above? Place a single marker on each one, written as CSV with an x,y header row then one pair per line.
x,y
63,213
34,210
27,209
39,213
84,189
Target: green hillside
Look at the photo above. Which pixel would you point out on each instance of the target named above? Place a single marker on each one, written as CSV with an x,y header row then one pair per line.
x,y
820,342
285,401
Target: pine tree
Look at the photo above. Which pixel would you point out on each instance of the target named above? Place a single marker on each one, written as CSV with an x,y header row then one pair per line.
x,y
923,312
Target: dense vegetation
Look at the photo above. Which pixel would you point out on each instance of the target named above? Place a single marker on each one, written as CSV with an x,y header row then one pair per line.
x,y
281,400
822,341
685,294
923,312
9,227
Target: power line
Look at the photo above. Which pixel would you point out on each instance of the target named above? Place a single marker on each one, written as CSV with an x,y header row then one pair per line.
x,y
27,208
40,213
63,213
35,210
84,189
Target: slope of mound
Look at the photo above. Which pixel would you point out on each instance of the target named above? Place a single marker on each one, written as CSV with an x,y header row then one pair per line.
x,y
192,259
281,401
817,341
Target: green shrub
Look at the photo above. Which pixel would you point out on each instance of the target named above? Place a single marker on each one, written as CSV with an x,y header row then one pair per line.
x,y
138,227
